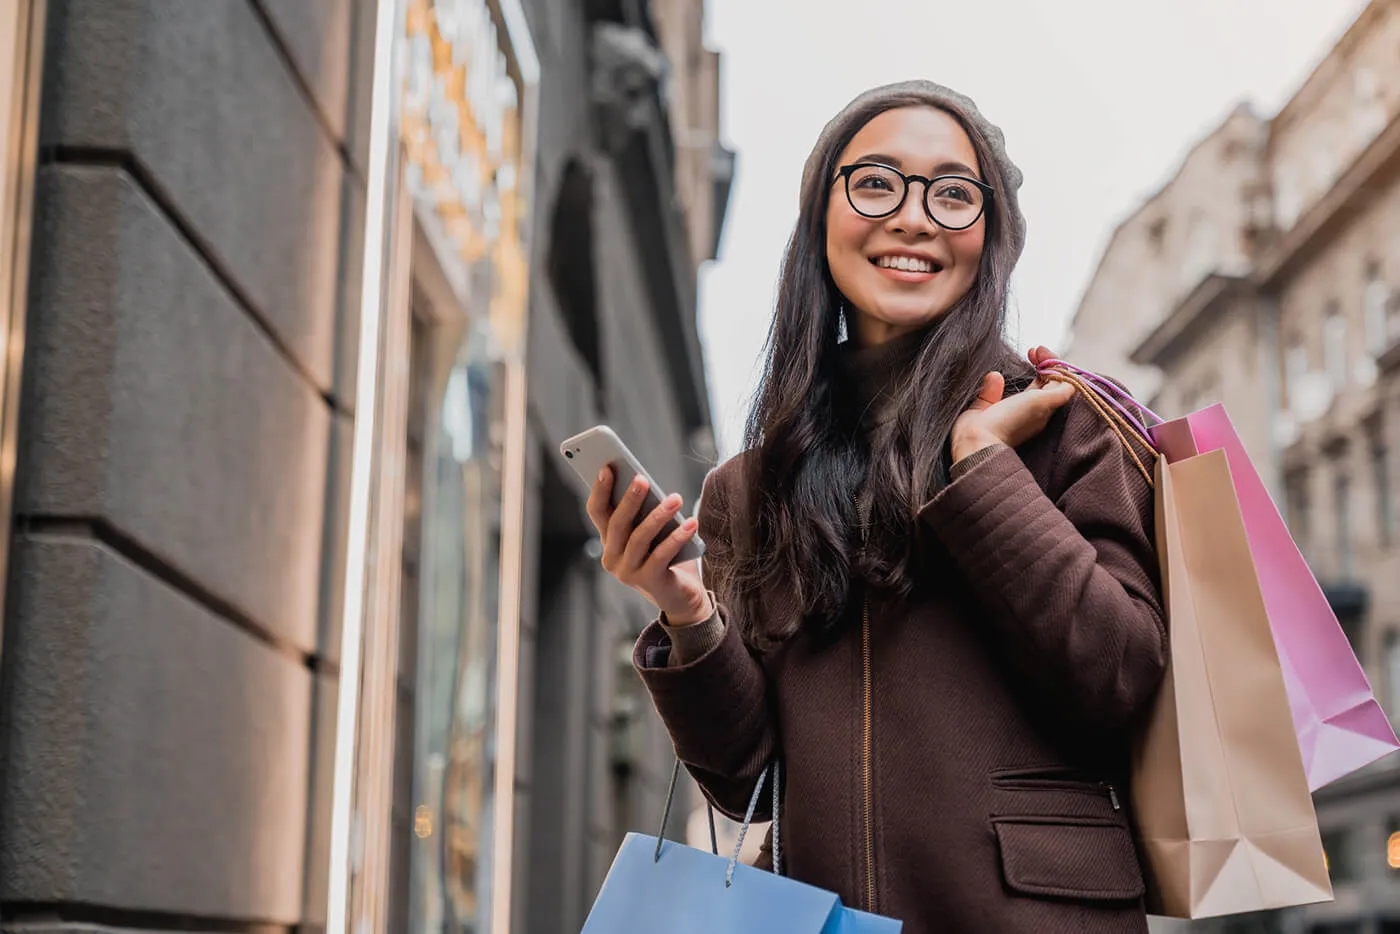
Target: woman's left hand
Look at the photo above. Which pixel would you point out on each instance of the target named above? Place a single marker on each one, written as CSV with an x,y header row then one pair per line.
x,y
992,419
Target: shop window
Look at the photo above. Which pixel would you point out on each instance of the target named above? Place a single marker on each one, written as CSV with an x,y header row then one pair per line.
x,y
455,570
406,821
571,263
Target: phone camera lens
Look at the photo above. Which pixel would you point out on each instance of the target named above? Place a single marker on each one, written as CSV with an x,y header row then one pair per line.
x,y
569,455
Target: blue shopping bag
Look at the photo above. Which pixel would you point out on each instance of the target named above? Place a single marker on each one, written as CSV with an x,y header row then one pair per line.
x,y
657,886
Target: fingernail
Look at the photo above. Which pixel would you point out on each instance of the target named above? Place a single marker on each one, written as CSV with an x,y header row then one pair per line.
x,y
689,524
673,501
603,474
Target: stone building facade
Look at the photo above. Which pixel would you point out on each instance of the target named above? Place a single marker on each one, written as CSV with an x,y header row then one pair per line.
x,y
1294,328
242,534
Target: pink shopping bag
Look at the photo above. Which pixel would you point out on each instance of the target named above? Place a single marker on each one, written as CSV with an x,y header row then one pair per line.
x,y
1340,726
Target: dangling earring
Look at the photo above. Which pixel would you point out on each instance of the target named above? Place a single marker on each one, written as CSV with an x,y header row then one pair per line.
x,y
842,332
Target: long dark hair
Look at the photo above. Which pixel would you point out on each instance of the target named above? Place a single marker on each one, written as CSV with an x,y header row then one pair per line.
x,y
807,463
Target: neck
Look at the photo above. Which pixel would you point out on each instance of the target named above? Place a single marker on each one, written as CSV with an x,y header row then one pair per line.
x,y
876,374
872,332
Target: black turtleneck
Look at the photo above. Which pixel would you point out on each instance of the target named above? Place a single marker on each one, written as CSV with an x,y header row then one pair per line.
x,y
877,374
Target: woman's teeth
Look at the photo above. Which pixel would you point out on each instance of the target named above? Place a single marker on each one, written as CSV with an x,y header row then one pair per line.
x,y
907,264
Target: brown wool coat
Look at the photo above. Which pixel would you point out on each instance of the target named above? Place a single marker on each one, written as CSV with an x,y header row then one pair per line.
x,y
999,704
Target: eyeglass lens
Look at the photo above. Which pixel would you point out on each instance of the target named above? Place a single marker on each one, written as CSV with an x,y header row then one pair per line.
x,y
876,191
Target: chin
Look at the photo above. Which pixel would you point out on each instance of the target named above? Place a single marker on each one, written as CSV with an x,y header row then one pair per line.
x,y
910,319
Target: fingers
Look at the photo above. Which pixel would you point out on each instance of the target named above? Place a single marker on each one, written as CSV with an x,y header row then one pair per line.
x,y
664,553
1030,410
619,528
639,544
1038,355
599,505
1044,399
1058,393
993,386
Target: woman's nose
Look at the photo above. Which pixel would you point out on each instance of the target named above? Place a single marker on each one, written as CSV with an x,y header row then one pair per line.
x,y
912,216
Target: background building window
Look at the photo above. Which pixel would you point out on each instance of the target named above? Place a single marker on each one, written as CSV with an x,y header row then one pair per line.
x,y
1295,366
1190,401
571,262
1157,234
1380,479
1391,661
1368,114
1202,250
1210,389
1334,346
1376,307
1287,199
1296,493
1341,504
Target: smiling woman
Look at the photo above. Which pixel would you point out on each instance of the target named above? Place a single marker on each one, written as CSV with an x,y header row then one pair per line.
x,y
923,254
934,602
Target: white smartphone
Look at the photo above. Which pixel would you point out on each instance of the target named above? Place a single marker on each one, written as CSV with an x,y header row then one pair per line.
x,y
598,447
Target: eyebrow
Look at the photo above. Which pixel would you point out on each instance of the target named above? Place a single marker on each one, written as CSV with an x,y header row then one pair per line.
x,y
943,168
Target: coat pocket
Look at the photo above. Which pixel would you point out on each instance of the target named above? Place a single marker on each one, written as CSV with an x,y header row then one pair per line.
x,y
1069,857
1037,786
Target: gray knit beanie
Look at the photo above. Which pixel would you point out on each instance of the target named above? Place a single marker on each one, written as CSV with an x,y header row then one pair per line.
x,y
907,93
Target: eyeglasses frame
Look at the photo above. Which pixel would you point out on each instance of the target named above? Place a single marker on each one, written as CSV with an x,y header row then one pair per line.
x,y
844,174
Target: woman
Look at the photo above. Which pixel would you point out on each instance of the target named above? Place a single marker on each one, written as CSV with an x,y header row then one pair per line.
x,y
934,600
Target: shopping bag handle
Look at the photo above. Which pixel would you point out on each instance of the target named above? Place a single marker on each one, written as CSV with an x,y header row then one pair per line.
x,y
1108,388
776,768
1123,423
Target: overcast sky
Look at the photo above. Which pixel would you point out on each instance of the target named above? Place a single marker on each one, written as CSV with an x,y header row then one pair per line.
x,y
1099,100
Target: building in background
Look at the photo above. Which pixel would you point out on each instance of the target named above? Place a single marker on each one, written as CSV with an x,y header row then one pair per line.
x,y
1196,223
304,625
1282,300
632,184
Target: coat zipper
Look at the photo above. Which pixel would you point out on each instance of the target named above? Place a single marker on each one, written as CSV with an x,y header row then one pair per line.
x,y
867,727
866,768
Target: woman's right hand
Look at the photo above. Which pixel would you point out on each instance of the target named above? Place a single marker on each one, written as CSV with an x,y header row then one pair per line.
x,y
677,591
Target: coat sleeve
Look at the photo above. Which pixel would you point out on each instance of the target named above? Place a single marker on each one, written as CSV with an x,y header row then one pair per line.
x,y
717,706
1070,584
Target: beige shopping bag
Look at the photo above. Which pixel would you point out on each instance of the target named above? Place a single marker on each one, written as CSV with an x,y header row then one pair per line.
x,y
1220,795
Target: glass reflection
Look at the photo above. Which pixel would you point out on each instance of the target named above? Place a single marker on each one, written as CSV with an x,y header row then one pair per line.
x,y
455,738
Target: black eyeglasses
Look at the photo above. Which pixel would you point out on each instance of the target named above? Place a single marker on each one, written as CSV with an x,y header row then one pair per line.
x,y
953,202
